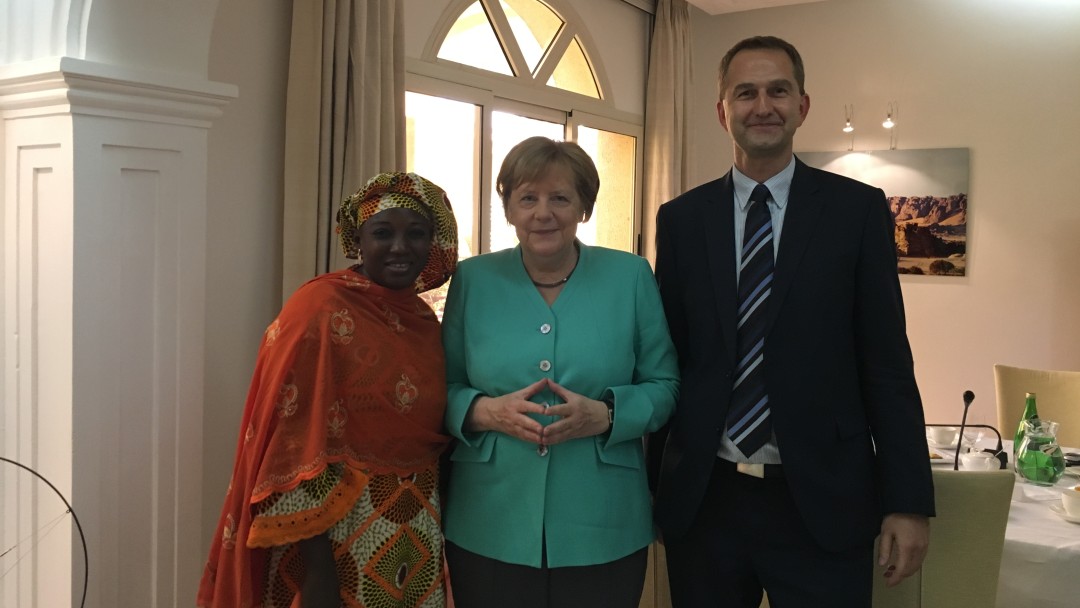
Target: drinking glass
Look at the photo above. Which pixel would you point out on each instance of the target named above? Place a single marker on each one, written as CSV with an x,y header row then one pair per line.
x,y
972,437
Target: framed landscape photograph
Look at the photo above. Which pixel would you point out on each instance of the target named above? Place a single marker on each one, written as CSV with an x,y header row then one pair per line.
x,y
927,193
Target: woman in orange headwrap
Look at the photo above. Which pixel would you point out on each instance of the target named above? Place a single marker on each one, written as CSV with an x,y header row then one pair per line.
x,y
334,495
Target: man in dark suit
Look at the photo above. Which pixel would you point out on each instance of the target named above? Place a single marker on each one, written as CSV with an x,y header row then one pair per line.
x,y
798,435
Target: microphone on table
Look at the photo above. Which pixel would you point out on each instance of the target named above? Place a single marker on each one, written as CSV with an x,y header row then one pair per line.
x,y
968,398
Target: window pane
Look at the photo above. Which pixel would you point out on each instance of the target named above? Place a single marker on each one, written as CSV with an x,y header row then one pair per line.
x,y
506,131
534,25
442,144
472,41
612,222
573,72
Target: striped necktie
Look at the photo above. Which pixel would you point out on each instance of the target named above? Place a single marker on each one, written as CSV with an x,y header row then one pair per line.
x,y
748,423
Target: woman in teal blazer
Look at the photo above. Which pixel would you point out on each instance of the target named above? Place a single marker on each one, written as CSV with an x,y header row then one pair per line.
x,y
559,361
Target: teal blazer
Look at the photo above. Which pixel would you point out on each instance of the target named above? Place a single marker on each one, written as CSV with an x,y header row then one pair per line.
x,y
605,336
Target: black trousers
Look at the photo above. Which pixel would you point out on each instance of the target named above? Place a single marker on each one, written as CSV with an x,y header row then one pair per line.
x,y
749,536
482,582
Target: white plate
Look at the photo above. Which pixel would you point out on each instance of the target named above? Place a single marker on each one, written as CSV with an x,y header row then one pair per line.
x,y
1060,510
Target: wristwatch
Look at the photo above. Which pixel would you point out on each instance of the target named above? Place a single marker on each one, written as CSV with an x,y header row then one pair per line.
x,y
610,403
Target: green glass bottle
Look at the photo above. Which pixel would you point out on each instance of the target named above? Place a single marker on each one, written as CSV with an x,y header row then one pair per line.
x,y
1029,412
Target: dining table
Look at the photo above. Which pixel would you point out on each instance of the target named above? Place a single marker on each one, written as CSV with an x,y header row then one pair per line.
x,y
1040,563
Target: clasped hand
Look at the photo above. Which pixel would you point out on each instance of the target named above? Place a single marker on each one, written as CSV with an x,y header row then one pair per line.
x,y
578,416
904,541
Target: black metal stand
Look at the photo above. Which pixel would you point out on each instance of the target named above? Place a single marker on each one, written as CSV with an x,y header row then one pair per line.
x,y
75,518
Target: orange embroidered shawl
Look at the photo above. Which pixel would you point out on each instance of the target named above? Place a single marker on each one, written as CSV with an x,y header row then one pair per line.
x,y
349,372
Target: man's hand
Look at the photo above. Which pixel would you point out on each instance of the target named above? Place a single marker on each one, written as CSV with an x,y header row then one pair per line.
x,y
905,538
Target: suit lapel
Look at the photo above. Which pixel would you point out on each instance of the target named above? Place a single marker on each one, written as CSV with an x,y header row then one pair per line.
x,y
719,222
803,210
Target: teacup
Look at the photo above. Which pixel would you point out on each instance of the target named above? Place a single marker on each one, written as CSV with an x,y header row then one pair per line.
x,y
981,461
942,435
1070,501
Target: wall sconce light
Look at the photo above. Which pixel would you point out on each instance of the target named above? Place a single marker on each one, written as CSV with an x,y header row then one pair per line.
x,y
892,112
849,115
889,112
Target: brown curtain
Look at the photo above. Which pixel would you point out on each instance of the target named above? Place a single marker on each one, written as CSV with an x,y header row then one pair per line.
x,y
666,110
344,121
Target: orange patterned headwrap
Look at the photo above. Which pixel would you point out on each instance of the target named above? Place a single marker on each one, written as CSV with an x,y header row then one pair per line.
x,y
408,191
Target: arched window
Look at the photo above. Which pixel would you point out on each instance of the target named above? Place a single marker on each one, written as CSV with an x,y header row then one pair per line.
x,y
536,44
495,72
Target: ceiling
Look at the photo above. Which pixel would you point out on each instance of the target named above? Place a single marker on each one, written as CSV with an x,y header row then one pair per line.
x,y
716,7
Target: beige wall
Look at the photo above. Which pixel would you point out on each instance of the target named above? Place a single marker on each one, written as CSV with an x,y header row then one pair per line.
x,y
995,76
250,48
158,36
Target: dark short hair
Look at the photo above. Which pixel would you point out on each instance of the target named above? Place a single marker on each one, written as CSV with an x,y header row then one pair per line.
x,y
532,158
766,43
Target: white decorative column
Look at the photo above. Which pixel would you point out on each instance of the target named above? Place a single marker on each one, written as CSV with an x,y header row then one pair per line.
x,y
103,270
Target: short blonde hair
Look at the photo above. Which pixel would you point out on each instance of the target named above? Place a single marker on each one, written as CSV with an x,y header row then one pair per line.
x,y
532,158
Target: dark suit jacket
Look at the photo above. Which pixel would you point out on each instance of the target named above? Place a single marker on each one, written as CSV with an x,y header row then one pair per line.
x,y
845,407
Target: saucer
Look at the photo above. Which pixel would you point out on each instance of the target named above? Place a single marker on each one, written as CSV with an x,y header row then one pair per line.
x,y
1060,510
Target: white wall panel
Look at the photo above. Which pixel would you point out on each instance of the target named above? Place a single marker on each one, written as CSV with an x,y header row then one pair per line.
x,y
104,272
37,415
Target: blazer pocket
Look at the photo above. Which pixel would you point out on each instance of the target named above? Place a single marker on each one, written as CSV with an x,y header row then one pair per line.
x,y
481,451
848,427
623,454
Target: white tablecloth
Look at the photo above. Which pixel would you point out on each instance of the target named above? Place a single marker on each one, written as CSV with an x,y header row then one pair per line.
x,y
1040,563
1040,566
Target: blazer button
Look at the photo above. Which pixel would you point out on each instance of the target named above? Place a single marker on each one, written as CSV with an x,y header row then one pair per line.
x,y
542,450
545,328
545,365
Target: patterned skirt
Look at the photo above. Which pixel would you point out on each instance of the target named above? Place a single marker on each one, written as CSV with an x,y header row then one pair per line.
x,y
388,548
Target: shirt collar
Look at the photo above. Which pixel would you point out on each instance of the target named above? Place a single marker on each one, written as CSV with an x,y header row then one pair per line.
x,y
779,186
